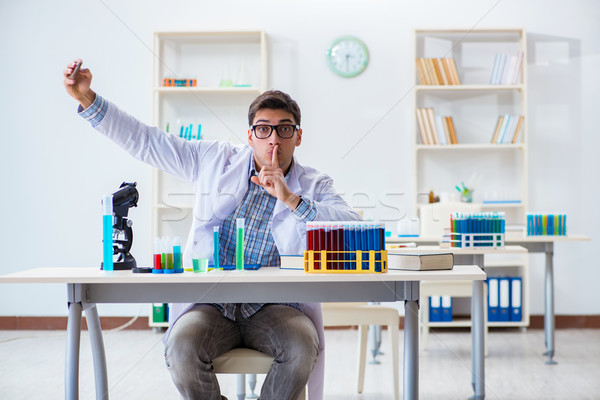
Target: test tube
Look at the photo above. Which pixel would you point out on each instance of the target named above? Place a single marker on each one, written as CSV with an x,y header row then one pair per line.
x,y
177,253
167,259
157,256
239,245
215,245
107,232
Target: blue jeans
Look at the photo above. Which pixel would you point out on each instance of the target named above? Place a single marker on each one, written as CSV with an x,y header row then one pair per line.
x,y
203,333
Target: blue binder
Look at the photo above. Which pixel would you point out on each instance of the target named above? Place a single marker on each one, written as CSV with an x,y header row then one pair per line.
x,y
516,297
504,299
446,308
435,309
493,299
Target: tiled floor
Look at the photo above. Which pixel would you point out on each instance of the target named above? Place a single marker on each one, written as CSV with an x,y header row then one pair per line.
x,y
32,366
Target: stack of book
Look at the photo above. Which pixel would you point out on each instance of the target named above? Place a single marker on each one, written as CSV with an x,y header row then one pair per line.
x,y
435,129
506,69
507,129
437,71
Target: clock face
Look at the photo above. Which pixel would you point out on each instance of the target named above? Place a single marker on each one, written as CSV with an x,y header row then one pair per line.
x,y
348,56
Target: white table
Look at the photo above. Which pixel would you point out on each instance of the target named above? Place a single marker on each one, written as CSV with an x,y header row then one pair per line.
x,y
533,244
88,286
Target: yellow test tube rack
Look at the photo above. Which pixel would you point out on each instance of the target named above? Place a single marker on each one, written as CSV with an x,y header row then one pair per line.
x,y
345,262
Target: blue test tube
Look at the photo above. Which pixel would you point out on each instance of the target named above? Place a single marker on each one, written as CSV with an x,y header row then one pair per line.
x,y
107,232
216,246
177,253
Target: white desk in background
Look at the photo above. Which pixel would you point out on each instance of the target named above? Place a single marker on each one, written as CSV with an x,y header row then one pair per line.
x,y
88,286
533,244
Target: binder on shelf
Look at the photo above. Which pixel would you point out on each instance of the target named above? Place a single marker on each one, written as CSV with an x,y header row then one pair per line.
x,y
435,309
446,308
516,299
504,299
159,312
493,300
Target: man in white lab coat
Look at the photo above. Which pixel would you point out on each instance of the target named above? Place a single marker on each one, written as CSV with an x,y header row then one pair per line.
x,y
263,183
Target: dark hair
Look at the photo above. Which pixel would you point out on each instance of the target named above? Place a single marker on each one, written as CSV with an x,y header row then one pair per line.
x,y
274,100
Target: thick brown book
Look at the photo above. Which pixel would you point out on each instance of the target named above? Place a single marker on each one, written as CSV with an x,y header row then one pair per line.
x,y
420,262
447,70
517,129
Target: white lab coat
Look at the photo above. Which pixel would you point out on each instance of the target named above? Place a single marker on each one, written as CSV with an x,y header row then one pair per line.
x,y
219,173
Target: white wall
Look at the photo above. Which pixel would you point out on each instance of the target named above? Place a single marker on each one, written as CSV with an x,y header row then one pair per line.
x,y
55,167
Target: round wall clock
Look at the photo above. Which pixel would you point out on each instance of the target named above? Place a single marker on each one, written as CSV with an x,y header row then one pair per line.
x,y
348,56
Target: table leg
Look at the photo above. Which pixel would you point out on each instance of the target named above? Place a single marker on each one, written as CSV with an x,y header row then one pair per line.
x,y
549,309
411,350
72,352
98,354
477,346
241,386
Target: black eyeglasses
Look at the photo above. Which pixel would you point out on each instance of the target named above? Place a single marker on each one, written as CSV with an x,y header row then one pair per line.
x,y
285,131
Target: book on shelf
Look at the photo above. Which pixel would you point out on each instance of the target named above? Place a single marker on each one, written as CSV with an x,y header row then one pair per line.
x,y
420,262
437,71
507,129
453,139
431,119
435,129
506,69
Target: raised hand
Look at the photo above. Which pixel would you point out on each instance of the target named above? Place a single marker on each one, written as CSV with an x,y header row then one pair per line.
x,y
79,86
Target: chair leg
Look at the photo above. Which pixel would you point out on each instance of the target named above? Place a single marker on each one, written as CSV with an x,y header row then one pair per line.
x,y
252,385
241,386
363,331
395,359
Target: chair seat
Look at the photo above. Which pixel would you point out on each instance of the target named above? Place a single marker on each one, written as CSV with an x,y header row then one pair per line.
x,y
242,361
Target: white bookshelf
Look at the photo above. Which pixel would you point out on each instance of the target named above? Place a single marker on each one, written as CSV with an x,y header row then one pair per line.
x,y
209,57
475,106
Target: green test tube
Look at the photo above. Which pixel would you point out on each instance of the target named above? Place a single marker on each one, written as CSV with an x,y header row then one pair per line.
x,y
239,245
